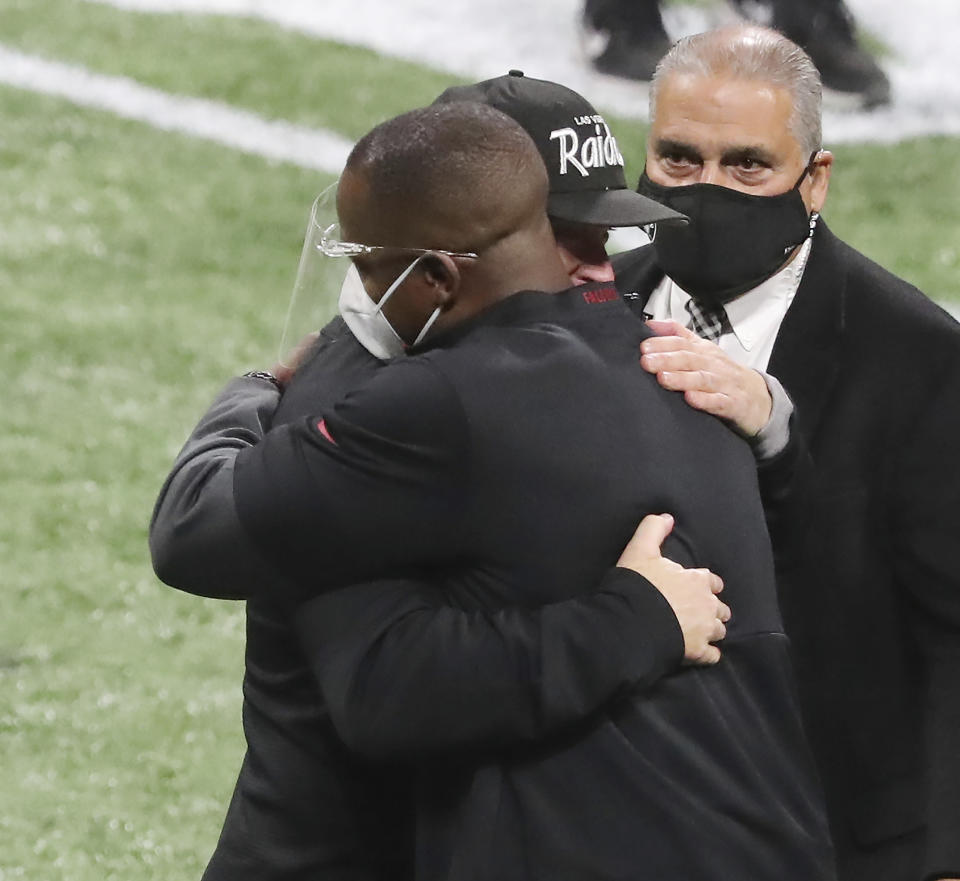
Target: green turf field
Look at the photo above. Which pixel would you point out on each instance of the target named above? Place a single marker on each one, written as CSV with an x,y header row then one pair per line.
x,y
139,270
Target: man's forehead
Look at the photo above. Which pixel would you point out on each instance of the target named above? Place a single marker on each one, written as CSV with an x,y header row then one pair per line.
x,y
363,216
353,192
718,114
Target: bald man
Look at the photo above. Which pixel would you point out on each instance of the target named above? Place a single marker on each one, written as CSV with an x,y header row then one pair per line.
x,y
510,457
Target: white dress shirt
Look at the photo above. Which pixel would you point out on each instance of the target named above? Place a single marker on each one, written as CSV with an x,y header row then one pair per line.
x,y
755,319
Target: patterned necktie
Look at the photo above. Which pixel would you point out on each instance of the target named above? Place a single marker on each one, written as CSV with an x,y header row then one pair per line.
x,y
709,322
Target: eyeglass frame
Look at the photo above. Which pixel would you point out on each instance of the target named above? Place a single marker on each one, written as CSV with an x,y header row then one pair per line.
x,y
354,249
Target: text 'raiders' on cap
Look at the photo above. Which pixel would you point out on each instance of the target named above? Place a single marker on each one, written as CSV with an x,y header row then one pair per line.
x,y
587,183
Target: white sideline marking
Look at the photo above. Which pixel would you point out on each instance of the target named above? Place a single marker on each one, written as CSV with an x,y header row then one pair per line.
x,y
211,120
198,117
484,38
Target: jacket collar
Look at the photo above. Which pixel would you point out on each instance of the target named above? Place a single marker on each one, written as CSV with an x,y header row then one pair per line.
x,y
806,355
637,275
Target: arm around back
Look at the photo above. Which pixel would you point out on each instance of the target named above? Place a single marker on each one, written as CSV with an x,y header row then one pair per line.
x,y
406,676
251,512
197,544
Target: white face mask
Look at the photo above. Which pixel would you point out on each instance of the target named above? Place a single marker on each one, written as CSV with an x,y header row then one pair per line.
x,y
367,321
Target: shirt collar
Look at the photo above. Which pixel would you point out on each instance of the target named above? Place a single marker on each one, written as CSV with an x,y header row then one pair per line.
x,y
752,313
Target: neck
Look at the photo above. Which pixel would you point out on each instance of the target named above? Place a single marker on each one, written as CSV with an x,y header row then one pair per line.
x,y
527,262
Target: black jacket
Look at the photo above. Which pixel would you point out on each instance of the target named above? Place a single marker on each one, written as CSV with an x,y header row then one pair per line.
x,y
872,600
305,806
515,464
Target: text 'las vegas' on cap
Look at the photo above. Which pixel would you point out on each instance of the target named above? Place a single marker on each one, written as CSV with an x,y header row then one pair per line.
x,y
587,181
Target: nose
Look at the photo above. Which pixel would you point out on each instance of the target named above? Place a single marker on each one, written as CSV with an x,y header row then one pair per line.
x,y
600,272
710,173
583,252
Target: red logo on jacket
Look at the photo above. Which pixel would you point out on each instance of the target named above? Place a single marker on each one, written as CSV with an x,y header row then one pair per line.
x,y
600,295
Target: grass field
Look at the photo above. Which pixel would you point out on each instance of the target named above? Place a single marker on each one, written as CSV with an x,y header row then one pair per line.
x,y
139,270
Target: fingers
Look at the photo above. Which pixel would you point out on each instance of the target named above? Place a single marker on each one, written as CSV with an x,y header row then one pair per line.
x,y
673,353
712,382
647,539
703,381
681,362
716,582
693,597
282,373
719,631
693,381
666,345
710,655
718,403
686,369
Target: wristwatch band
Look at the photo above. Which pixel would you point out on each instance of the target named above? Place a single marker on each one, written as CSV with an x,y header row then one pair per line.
x,y
265,376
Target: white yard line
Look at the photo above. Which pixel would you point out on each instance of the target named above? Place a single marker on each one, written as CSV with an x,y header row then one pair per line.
x,y
484,38
210,120
197,117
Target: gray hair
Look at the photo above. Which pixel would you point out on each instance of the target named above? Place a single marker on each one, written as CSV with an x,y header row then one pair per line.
x,y
751,52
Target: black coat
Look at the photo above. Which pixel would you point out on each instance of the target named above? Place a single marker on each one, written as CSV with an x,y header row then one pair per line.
x,y
517,463
872,600
305,806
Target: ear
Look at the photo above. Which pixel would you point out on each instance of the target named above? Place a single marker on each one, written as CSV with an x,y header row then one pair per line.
x,y
442,276
820,180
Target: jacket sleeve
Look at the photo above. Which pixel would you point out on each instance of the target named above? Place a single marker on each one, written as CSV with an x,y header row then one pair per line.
x,y
367,489
927,536
197,543
785,481
787,475
404,675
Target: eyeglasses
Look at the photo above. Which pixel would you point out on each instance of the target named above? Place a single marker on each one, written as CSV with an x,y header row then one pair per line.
x,y
331,245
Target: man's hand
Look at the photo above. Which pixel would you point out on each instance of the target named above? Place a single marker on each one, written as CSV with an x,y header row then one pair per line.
x,y
284,370
709,379
692,593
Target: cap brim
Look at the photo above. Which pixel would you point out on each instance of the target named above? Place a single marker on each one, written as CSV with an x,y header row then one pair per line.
x,y
610,208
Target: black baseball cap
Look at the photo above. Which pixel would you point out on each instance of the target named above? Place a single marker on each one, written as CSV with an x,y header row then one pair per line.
x,y
587,183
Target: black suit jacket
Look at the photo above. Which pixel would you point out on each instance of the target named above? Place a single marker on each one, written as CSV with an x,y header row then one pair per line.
x,y
871,600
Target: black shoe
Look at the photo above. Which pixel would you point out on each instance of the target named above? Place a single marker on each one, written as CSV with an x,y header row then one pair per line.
x,y
632,56
624,38
829,38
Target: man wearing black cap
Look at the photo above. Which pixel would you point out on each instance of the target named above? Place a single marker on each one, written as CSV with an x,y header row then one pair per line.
x,y
304,807
584,163
588,191
509,461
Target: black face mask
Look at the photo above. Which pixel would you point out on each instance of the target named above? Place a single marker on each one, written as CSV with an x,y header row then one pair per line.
x,y
734,240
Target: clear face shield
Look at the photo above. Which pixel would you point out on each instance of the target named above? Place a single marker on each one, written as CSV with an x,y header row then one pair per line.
x,y
316,290
327,284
